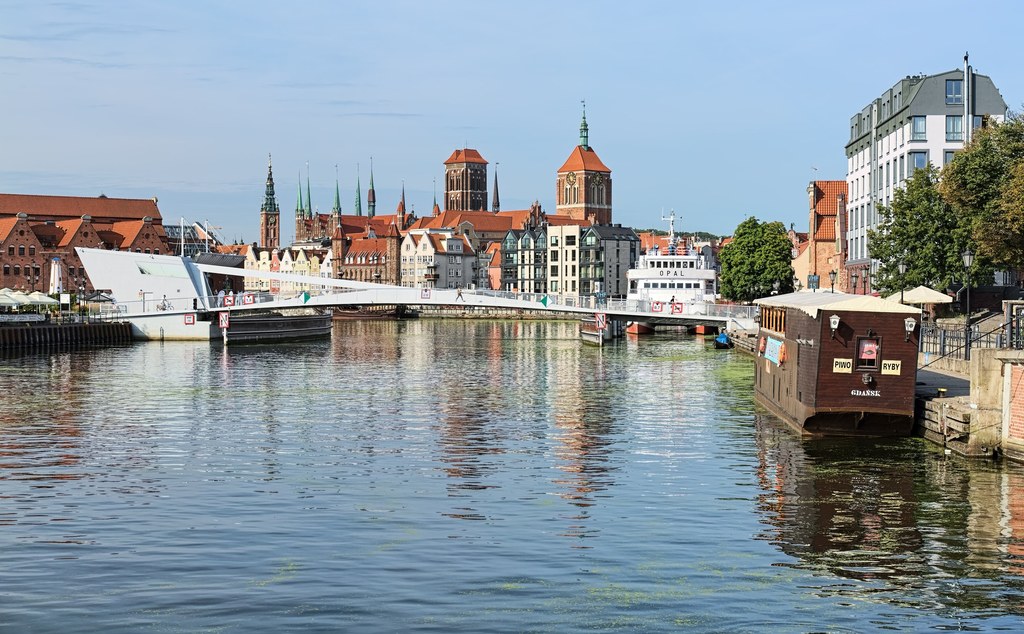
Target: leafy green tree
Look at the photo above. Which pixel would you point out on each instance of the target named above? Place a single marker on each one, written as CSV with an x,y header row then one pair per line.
x,y
756,260
978,185
920,230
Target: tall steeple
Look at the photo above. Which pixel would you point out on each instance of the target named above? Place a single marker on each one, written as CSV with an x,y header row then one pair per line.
x,y
300,215
401,202
584,131
336,209
359,200
371,196
270,212
495,205
309,199
436,210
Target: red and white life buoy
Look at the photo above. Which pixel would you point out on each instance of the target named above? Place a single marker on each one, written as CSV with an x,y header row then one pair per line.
x,y
656,307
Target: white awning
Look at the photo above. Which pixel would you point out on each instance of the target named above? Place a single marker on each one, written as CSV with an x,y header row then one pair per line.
x,y
813,302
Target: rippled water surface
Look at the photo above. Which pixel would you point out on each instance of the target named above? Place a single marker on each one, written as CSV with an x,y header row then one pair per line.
x,y
473,476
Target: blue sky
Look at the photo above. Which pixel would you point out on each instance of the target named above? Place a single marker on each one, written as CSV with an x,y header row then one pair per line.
x,y
717,111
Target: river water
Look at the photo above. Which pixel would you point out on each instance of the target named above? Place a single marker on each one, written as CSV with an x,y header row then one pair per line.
x,y
482,476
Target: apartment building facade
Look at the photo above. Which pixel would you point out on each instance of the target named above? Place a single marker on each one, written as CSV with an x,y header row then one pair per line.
x,y
921,120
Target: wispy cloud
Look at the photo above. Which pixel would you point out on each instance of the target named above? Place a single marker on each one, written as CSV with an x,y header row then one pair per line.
x,y
94,64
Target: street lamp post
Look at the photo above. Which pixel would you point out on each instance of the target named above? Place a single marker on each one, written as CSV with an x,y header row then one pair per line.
x,y
832,280
968,261
81,295
903,273
853,281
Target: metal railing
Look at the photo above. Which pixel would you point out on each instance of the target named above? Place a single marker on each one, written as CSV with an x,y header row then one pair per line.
x,y
948,341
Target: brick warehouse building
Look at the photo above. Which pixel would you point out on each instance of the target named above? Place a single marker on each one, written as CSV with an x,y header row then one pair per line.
x,y
38,233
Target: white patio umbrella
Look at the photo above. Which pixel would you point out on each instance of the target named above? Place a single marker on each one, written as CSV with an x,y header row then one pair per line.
x,y
921,295
20,297
8,301
39,299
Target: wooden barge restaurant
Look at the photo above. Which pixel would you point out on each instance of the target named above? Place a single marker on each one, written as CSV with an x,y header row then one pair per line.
x,y
838,364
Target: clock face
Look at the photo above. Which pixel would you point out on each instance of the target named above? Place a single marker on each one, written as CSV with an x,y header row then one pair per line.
x,y
272,220
571,177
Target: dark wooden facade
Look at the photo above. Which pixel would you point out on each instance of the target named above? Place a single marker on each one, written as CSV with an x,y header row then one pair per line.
x,y
859,381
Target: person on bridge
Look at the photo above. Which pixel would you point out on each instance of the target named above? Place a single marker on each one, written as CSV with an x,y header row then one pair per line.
x,y
458,295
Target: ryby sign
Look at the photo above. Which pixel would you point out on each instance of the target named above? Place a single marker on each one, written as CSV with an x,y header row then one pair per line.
x,y
891,367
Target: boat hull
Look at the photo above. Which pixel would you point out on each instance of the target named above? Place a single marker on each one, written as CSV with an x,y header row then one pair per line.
x,y
242,328
842,423
639,328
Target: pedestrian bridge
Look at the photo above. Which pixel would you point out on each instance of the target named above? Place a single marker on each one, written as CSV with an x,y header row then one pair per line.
x,y
143,284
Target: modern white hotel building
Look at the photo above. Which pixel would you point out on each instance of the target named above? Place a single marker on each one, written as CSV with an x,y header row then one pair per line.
x,y
922,119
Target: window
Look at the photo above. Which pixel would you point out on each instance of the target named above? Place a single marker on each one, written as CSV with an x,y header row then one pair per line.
x,y
947,157
7,270
917,161
954,91
867,353
979,122
554,255
21,249
570,241
554,241
10,250
917,128
902,169
32,249
554,270
954,127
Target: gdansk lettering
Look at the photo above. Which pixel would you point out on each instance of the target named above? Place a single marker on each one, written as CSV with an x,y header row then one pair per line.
x,y
865,393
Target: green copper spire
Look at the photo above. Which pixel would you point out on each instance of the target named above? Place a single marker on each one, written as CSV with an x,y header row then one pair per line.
x,y
309,199
300,211
269,197
359,200
584,132
336,210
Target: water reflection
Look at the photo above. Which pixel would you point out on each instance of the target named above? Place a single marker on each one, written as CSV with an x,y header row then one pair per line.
x,y
897,515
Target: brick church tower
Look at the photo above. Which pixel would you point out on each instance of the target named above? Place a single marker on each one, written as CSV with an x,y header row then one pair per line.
x,y
465,181
584,184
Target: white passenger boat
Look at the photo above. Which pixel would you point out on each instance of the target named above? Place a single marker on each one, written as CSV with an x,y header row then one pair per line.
x,y
669,278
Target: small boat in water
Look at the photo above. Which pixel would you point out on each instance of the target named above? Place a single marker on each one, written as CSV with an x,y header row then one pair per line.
x,y
722,341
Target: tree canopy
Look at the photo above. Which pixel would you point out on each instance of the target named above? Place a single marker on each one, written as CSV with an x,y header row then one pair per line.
x,y
982,186
757,258
976,202
918,229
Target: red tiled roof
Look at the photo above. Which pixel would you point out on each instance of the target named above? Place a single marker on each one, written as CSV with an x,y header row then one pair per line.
x,y
6,224
581,159
77,206
563,221
465,155
494,251
826,206
368,246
